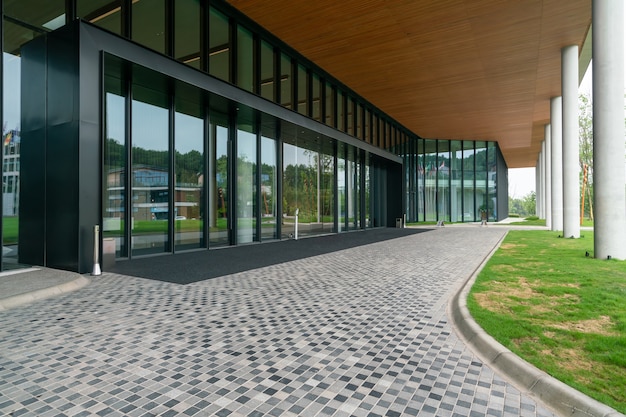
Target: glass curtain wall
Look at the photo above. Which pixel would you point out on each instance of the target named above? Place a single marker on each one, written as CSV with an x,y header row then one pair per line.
x,y
327,180
219,45
421,181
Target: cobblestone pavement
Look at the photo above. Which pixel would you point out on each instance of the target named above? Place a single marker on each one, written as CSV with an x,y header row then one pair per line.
x,y
359,332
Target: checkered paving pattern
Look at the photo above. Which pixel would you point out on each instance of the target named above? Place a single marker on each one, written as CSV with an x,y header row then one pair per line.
x,y
359,332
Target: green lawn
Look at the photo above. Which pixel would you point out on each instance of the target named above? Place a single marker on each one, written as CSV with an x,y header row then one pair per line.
x,y
564,312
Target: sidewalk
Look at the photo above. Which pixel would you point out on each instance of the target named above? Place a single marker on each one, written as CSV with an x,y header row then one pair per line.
x,y
365,331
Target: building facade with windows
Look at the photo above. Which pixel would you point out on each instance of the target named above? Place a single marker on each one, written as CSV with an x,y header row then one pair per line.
x,y
184,125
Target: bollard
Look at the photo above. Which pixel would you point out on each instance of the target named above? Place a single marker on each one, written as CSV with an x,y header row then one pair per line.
x,y
295,236
96,251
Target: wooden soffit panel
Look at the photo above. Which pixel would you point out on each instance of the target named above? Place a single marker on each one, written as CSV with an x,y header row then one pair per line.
x,y
446,69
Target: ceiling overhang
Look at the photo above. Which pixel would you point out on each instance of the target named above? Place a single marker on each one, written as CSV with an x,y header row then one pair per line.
x,y
445,69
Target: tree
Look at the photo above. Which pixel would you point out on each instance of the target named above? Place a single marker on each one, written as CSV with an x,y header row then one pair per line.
x,y
585,148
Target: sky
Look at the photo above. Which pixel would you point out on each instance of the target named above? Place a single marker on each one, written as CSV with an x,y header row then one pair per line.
x,y
522,180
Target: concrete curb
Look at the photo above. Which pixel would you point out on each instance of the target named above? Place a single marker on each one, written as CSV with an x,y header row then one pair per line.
x,y
29,297
554,394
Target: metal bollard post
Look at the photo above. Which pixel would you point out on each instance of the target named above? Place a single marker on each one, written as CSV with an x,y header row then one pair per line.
x,y
96,251
296,228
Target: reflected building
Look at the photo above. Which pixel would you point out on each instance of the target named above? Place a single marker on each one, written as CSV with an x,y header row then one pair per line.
x,y
228,132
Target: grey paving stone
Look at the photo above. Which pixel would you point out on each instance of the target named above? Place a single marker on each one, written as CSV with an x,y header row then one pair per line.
x,y
357,332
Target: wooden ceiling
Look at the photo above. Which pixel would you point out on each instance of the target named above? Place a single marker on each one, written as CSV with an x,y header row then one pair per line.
x,y
446,69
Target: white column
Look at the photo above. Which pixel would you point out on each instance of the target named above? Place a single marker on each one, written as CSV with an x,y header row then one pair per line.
x,y
608,129
548,176
571,181
556,134
542,180
537,179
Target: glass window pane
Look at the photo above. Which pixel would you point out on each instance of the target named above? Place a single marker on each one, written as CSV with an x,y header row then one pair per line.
x,y
469,206
316,98
303,91
456,170
491,180
148,24
245,68
482,198
286,80
268,84
189,164
329,110
421,178
340,112
430,161
48,15
358,114
219,45
351,117
104,13
150,168
114,190
11,142
341,187
367,124
218,180
443,181
327,187
187,35
246,179
269,192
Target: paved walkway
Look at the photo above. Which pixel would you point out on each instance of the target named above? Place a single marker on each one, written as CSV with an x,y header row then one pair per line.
x,y
357,332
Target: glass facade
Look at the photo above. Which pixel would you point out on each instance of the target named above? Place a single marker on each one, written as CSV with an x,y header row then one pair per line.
x,y
185,169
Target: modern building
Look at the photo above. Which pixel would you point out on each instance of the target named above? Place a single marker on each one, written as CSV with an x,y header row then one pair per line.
x,y
176,125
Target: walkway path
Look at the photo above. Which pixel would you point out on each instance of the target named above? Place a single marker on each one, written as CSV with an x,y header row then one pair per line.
x,y
357,332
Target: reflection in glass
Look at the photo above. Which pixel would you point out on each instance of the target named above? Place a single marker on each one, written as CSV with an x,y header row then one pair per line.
x,y
482,198
430,180
340,112
149,24
286,81
329,109
491,180
341,188
103,13
456,189
303,101
316,97
244,59
246,184
114,190
150,169
469,206
443,181
11,142
187,32
269,192
219,45
421,179
327,190
189,164
268,84
218,181
351,119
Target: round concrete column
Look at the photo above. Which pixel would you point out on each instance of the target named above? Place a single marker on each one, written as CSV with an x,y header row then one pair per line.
x,y
542,183
548,176
556,135
571,188
608,129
